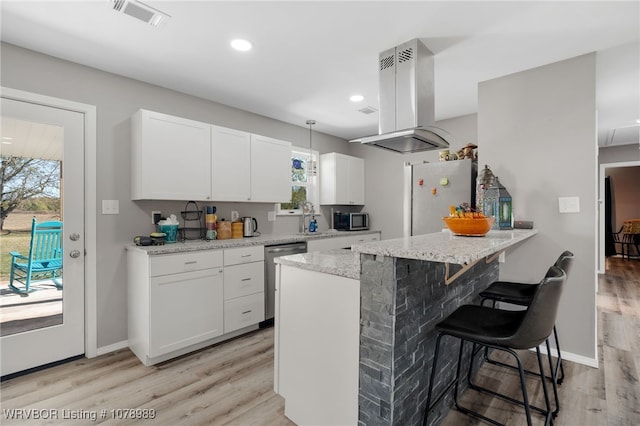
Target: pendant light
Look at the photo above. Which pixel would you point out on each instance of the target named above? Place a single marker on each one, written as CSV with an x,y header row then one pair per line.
x,y
311,165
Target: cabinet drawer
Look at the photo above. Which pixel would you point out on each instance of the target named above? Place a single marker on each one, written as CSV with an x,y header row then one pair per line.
x,y
165,264
243,311
366,238
240,255
242,280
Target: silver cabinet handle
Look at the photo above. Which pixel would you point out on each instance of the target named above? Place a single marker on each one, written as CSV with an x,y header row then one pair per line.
x,y
246,279
74,253
246,312
74,237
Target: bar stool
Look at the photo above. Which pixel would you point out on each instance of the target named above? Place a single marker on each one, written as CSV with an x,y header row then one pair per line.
x,y
506,331
521,294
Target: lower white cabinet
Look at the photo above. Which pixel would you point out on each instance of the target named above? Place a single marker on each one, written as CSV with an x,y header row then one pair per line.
x,y
184,309
243,311
180,302
243,287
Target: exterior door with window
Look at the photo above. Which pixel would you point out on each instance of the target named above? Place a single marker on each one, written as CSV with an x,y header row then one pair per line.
x,y
33,131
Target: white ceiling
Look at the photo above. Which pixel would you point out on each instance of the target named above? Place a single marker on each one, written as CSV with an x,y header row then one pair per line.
x,y
309,57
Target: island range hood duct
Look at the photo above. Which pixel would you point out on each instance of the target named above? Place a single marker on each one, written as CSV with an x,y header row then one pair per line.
x,y
407,101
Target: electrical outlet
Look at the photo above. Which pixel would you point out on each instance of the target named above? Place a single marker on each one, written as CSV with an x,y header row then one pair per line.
x,y
155,216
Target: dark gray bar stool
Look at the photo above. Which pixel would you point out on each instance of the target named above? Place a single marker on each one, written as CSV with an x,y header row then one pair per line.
x,y
507,331
521,294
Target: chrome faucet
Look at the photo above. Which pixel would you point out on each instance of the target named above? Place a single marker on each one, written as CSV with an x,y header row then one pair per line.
x,y
307,212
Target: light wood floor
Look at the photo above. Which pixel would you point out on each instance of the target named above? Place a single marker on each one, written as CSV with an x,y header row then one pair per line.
x,y
232,383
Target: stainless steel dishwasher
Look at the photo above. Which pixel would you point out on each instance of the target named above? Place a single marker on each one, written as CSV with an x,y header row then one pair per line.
x,y
270,253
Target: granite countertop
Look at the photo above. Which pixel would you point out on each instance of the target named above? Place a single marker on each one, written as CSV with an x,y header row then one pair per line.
x,y
446,247
341,262
262,240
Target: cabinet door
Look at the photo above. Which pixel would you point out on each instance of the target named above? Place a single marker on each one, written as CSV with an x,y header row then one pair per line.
x,y
270,170
170,158
230,164
341,179
184,309
356,180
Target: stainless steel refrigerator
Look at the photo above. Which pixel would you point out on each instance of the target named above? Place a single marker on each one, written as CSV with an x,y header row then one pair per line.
x,y
430,188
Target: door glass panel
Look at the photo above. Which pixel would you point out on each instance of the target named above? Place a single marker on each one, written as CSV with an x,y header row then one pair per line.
x,y
31,181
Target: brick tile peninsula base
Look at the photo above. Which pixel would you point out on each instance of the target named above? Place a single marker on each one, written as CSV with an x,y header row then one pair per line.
x,y
401,301
403,287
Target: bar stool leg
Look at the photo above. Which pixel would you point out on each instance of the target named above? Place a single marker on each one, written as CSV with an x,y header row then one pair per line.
x,y
553,380
559,363
543,377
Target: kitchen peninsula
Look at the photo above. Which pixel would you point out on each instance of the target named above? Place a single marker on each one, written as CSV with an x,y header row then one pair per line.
x,y
355,329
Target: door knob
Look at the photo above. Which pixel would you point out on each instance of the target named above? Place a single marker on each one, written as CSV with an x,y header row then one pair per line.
x,y
74,237
74,253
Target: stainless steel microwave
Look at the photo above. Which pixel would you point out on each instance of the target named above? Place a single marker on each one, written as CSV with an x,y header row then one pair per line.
x,y
351,221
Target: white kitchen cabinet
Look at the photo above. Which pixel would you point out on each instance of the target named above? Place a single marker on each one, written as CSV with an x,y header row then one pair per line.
x,y
270,169
244,303
341,179
184,309
248,167
174,158
230,164
174,302
170,157
316,346
346,241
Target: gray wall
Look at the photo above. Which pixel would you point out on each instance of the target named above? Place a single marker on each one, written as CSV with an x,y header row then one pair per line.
x,y
116,99
537,132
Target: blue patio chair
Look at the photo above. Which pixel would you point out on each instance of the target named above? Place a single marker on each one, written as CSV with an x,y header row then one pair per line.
x,y
44,261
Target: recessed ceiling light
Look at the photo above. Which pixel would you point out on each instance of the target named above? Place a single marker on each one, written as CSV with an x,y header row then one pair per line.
x,y
241,45
356,98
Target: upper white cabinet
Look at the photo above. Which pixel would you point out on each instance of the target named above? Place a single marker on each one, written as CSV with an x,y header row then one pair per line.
x,y
178,159
248,167
270,169
169,158
230,164
341,179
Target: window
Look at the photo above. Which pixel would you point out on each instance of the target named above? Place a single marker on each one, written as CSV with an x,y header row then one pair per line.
x,y
304,186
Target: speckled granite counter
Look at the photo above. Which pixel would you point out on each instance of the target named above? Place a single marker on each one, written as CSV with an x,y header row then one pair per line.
x,y
344,263
263,240
446,247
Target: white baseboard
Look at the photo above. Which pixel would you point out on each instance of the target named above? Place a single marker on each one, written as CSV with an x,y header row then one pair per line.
x,y
112,348
579,359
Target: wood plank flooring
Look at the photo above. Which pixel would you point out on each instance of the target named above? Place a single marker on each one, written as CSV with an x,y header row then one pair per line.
x,y
232,383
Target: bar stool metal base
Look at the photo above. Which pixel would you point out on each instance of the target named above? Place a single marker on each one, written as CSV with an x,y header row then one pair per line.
x,y
525,401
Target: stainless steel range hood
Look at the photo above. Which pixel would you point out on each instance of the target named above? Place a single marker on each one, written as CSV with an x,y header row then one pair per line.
x,y
407,101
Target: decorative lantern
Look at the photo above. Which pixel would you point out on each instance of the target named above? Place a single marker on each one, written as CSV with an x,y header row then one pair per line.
x,y
498,203
484,181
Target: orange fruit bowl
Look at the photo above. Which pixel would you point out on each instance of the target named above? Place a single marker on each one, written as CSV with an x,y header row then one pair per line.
x,y
469,226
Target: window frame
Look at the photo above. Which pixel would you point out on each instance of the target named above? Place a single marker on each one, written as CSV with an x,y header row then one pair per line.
x,y
313,182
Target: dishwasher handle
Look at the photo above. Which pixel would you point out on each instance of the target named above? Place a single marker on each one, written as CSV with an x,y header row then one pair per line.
x,y
284,249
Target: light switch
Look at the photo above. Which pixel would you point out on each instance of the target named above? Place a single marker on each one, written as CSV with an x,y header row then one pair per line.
x,y
569,204
110,207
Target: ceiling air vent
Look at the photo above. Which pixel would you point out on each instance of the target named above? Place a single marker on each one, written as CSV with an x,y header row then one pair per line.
x,y
368,110
140,11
